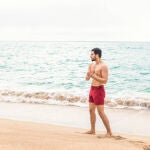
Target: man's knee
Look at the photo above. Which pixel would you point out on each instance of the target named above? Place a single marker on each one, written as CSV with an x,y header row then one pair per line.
x,y
92,110
100,110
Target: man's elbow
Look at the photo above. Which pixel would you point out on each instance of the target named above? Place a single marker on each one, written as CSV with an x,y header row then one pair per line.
x,y
105,81
87,79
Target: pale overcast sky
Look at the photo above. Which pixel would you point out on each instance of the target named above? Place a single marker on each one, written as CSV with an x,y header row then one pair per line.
x,y
51,20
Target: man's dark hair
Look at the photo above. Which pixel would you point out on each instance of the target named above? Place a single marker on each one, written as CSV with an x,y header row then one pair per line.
x,y
97,51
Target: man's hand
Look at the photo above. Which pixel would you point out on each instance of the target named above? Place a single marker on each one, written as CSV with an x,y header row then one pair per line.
x,y
94,74
89,74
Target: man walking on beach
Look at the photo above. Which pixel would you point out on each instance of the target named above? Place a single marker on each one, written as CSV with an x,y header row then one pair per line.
x,y
98,71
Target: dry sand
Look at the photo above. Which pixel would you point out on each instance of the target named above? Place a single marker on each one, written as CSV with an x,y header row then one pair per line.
x,y
20,135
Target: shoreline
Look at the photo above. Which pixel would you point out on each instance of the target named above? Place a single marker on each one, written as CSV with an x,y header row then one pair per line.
x,y
133,122
16,135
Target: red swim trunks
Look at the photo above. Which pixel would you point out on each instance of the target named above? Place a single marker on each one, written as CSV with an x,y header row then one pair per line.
x,y
97,95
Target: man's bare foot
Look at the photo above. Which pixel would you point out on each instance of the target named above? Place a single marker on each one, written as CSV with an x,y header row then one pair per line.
x,y
108,135
90,132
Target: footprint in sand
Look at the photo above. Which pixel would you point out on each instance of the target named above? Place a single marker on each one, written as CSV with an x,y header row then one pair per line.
x,y
136,142
141,144
146,147
116,137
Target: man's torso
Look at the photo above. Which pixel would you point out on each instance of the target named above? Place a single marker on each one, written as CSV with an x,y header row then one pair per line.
x,y
97,69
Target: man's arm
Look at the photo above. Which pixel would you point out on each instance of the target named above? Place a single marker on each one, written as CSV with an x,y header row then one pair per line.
x,y
88,74
104,77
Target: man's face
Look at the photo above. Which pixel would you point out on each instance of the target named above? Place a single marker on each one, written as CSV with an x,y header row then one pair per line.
x,y
93,56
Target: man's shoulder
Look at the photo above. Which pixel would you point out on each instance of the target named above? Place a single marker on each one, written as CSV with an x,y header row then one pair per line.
x,y
104,65
90,64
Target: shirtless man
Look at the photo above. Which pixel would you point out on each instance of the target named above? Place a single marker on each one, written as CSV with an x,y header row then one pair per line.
x,y
98,71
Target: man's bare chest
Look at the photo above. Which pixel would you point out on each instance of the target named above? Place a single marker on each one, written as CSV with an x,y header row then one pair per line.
x,y
96,69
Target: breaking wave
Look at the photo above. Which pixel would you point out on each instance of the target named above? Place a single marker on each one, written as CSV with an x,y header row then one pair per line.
x,y
69,99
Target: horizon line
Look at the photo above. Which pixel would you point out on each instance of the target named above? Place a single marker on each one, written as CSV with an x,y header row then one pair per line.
x,y
73,41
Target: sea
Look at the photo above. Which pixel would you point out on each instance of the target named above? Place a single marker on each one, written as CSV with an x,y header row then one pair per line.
x,y
53,73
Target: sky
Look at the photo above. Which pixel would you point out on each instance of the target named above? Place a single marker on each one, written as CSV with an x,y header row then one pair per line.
x,y
74,20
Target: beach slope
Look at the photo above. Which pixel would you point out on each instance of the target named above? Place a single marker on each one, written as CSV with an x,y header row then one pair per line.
x,y
20,135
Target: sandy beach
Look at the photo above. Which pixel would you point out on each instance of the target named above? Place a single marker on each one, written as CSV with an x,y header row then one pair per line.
x,y
45,127
19,135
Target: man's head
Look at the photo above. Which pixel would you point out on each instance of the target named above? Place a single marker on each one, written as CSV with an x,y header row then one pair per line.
x,y
96,53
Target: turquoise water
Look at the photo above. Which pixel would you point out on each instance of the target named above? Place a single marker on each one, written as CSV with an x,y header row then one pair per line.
x,y
60,67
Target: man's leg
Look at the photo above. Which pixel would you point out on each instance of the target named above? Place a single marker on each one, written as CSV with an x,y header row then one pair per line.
x,y
104,118
92,118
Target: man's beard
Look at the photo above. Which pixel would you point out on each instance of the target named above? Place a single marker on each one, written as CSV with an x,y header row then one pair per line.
x,y
92,59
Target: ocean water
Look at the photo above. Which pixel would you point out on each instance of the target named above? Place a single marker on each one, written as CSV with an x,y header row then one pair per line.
x,y
54,73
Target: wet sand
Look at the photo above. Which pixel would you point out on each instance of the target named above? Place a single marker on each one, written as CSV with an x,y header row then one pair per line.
x,y
134,122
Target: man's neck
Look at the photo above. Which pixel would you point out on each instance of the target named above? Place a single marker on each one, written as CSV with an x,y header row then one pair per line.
x,y
98,61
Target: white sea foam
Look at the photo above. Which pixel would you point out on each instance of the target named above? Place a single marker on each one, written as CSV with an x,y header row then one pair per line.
x,y
69,99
